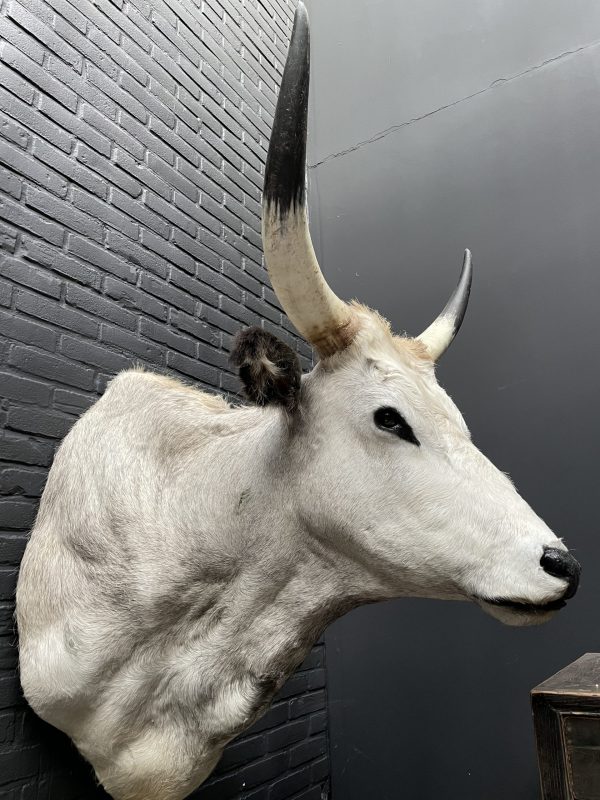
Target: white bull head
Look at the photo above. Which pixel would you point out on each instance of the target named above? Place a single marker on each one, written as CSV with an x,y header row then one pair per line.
x,y
393,477
187,554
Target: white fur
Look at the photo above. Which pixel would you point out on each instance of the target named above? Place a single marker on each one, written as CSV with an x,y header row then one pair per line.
x,y
187,555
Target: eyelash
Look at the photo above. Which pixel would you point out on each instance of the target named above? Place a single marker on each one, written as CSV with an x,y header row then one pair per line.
x,y
390,420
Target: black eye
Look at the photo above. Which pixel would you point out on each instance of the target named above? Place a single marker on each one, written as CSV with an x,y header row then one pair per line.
x,y
388,419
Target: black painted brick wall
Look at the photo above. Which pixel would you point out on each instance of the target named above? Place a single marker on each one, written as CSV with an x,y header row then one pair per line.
x,y
132,142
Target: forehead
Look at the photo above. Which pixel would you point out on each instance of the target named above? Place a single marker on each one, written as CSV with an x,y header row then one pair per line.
x,y
388,369
376,345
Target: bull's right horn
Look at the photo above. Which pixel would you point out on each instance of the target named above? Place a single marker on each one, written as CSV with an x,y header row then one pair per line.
x,y
327,322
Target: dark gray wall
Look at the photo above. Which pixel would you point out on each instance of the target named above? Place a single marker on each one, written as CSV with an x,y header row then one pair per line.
x,y
438,126
133,136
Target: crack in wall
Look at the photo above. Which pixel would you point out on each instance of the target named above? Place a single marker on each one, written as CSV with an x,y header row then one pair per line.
x,y
498,82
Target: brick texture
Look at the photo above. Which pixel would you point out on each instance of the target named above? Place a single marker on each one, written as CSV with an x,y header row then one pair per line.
x,y
133,137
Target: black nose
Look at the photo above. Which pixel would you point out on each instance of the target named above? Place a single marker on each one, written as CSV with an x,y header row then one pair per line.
x,y
561,564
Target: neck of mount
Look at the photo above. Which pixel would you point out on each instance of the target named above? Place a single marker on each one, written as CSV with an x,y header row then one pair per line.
x,y
288,578
289,598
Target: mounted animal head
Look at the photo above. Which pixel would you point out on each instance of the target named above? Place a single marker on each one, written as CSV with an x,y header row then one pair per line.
x,y
186,554
383,462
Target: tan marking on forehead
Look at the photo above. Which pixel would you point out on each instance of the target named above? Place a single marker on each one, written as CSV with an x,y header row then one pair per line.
x,y
327,342
414,346
380,327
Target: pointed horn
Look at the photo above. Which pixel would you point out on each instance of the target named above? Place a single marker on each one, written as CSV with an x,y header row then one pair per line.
x,y
318,314
439,335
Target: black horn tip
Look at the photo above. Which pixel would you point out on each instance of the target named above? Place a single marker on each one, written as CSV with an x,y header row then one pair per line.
x,y
440,334
301,11
457,305
285,171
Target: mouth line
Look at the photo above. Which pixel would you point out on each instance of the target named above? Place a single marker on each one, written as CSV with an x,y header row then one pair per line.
x,y
524,608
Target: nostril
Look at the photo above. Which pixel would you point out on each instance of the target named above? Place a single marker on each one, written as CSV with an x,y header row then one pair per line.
x,y
553,562
561,564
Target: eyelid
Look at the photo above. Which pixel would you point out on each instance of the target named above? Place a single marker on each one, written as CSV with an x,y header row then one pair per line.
x,y
405,431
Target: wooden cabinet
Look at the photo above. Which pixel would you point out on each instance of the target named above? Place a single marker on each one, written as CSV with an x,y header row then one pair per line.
x,y
566,714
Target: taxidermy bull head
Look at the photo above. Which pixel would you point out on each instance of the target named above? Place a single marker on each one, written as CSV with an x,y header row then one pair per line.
x,y
187,554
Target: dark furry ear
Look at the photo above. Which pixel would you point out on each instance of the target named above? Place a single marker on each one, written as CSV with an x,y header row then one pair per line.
x,y
269,369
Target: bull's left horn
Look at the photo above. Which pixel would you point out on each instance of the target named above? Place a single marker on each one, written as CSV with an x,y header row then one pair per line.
x,y
318,314
439,335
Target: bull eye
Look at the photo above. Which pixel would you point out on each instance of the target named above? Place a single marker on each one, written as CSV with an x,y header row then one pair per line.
x,y
388,419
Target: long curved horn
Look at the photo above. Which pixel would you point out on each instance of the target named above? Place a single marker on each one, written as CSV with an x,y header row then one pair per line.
x,y
439,335
318,314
